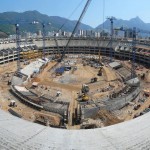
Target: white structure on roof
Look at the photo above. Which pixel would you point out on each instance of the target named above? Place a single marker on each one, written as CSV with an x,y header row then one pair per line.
x,y
32,67
18,134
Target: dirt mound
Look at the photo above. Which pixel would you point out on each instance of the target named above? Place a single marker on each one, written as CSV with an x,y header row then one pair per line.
x,y
36,79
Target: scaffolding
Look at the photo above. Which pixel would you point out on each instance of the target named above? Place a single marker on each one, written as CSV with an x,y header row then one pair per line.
x,y
30,54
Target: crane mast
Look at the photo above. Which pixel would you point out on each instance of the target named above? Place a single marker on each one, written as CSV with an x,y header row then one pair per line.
x,y
111,35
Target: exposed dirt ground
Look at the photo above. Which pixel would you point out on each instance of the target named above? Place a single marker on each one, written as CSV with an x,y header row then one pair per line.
x,y
6,71
71,81
69,84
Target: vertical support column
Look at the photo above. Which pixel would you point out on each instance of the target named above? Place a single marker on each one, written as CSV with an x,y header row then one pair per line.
x,y
43,26
133,52
3,58
111,40
8,56
18,46
111,37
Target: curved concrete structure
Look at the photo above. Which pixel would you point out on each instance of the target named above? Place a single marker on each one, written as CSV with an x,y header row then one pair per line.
x,y
122,49
18,134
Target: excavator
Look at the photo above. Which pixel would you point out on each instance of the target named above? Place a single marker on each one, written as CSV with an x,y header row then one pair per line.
x,y
83,96
100,71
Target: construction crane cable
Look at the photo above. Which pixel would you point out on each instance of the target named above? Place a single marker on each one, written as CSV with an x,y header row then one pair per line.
x,y
70,15
58,51
103,15
76,26
103,25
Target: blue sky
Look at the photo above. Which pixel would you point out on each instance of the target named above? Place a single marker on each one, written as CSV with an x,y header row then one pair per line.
x,y
123,9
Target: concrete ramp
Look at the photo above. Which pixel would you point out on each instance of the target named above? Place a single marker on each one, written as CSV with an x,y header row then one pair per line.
x,y
109,73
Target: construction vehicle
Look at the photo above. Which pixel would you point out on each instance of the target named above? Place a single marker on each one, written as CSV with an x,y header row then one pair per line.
x,y
93,80
85,88
83,96
12,103
100,71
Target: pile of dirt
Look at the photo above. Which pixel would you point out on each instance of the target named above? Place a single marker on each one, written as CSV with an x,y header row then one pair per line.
x,y
36,79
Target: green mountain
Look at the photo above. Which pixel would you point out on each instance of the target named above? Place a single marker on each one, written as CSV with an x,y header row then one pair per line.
x,y
134,22
3,35
8,19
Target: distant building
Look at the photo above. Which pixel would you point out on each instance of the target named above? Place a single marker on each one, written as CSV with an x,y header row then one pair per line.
x,y
39,33
68,34
128,33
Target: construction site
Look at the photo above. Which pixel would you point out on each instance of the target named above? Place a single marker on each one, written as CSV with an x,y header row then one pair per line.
x,y
82,91
75,92
76,83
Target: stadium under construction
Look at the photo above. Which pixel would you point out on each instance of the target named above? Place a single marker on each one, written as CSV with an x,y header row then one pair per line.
x,y
75,92
90,92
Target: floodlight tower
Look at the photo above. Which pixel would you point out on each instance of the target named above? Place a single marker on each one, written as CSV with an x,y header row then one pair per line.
x,y
43,35
111,19
133,52
18,45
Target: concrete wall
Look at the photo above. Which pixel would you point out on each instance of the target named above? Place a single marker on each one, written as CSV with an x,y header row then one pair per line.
x,y
118,103
85,46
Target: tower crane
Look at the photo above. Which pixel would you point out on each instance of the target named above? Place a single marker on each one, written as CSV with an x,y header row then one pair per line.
x,y
111,35
76,26
43,35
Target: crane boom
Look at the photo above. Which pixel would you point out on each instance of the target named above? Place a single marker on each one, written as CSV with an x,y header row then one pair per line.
x,y
76,26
